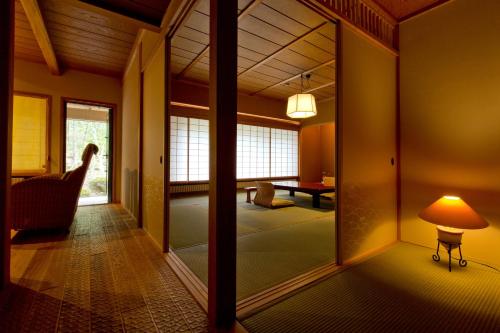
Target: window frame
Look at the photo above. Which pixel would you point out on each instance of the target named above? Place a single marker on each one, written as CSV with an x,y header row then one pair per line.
x,y
48,134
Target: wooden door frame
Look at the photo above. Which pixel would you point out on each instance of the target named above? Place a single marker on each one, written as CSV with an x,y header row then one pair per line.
x,y
166,145
112,139
7,19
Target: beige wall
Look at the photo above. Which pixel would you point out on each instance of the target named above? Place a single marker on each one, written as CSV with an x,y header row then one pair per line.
x,y
130,139
327,137
368,123
154,108
318,132
317,152
310,154
326,114
450,119
148,41
35,78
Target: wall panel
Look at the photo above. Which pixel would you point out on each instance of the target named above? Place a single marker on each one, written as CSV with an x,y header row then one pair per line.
x,y
154,100
450,119
130,138
368,107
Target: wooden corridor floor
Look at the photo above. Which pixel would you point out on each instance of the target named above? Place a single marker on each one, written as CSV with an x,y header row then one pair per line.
x,y
105,275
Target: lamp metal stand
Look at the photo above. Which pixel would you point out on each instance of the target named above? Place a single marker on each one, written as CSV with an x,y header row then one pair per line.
x,y
449,246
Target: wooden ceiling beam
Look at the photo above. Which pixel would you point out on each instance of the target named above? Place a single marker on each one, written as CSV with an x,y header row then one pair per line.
x,y
112,15
282,49
32,11
244,12
295,76
310,90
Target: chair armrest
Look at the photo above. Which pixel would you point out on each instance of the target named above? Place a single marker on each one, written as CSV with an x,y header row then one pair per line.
x,y
48,176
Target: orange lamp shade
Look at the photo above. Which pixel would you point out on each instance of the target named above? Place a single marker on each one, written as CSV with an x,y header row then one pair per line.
x,y
451,211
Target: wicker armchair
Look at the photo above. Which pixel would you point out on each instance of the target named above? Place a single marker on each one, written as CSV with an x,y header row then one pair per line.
x,y
49,201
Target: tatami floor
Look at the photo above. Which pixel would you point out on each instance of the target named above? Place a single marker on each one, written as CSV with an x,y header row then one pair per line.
x,y
400,290
105,275
273,245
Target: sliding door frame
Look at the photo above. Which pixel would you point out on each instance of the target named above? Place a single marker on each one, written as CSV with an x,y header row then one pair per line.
x,y
111,139
6,105
255,302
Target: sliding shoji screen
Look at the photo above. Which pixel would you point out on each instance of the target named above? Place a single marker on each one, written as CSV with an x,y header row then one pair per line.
x,y
284,153
198,149
262,152
252,152
178,149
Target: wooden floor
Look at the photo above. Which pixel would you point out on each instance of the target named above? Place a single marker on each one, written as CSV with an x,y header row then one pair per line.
x,y
105,275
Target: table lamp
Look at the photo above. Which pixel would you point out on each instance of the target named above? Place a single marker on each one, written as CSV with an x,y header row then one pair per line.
x,y
451,214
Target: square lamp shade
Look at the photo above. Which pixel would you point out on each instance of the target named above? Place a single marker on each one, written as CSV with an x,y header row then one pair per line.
x,y
301,106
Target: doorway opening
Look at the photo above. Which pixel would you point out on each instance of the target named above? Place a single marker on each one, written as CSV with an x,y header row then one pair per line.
x,y
86,123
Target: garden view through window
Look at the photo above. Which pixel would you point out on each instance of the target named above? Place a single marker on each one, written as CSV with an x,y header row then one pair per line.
x,y
262,152
89,124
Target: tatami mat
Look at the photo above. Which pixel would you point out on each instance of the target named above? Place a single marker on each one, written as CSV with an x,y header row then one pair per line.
x,y
267,258
401,290
274,245
189,217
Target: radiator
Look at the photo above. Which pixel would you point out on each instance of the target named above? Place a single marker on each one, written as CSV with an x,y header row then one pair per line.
x,y
186,188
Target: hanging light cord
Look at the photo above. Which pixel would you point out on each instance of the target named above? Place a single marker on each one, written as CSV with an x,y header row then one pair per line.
x,y
308,77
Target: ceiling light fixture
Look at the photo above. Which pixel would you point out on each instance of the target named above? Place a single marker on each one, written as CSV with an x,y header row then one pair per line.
x,y
301,105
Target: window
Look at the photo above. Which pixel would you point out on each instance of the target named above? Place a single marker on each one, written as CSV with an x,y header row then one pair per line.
x,y
178,149
30,135
262,152
252,151
284,157
198,149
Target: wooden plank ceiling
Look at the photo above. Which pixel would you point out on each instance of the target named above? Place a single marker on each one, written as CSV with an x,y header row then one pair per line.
x,y
278,39
82,38
277,42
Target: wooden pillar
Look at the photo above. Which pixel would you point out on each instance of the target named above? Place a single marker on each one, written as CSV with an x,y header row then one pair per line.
x,y
6,88
339,144
166,147
222,197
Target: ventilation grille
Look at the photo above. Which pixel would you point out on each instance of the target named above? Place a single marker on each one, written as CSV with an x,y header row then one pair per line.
x,y
366,15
